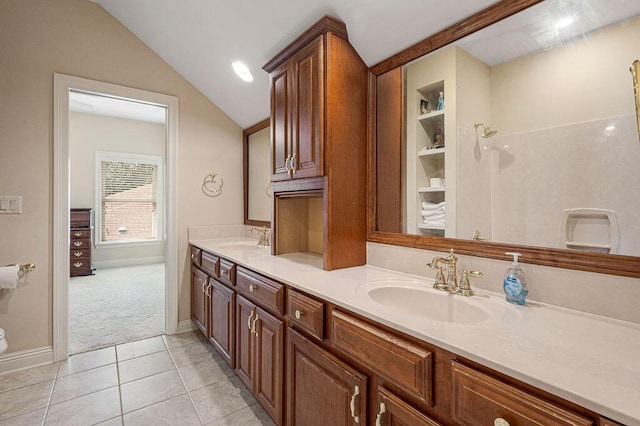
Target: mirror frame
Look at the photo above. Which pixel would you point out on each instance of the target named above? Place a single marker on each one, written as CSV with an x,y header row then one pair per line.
x,y
621,265
245,171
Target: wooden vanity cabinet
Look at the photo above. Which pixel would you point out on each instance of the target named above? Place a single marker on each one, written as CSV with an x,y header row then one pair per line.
x,y
200,300
322,389
393,410
222,320
319,95
260,355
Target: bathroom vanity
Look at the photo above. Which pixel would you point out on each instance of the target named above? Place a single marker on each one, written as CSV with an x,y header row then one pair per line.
x,y
296,334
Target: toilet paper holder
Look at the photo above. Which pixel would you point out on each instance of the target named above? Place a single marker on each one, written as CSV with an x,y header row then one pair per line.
x,y
24,268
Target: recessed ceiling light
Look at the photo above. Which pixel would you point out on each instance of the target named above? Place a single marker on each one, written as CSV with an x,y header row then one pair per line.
x,y
564,22
242,71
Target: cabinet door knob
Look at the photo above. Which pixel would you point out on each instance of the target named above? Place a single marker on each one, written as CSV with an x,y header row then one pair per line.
x,y
224,272
77,243
500,422
383,409
253,288
352,405
193,256
78,264
298,313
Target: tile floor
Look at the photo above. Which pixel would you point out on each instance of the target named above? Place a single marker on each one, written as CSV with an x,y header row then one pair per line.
x,y
165,380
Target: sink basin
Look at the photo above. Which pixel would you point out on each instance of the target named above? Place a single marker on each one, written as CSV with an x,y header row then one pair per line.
x,y
240,245
417,298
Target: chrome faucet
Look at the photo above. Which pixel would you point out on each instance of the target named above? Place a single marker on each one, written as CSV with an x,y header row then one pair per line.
x,y
264,237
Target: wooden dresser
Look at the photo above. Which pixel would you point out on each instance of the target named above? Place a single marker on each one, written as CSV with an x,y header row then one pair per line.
x,y
81,242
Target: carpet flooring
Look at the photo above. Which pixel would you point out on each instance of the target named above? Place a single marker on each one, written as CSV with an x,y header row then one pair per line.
x,y
115,306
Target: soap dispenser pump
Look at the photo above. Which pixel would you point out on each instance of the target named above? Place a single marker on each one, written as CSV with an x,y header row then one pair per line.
x,y
515,282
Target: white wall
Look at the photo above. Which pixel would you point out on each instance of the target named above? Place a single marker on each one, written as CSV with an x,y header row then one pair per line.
x,y
89,133
79,38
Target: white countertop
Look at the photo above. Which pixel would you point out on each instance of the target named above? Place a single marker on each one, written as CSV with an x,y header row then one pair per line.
x,y
587,359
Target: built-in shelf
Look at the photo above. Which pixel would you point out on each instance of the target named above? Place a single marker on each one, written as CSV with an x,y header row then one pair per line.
x,y
431,189
434,152
431,114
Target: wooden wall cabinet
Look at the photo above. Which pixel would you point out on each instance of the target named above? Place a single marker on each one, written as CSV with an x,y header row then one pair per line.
x,y
319,128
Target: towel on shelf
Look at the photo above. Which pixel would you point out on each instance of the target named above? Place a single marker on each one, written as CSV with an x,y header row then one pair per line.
x,y
434,218
433,222
432,206
436,212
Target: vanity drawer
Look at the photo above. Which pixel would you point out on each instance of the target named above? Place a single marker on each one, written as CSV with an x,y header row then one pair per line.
x,y
306,313
210,264
81,243
479,399
227,272
196,255
392,357
262,290
80,233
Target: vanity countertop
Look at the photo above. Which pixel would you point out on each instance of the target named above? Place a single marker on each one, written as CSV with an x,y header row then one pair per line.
x,y
586,359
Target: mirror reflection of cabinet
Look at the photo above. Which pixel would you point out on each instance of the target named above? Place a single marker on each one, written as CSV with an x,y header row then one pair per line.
x,y
257,175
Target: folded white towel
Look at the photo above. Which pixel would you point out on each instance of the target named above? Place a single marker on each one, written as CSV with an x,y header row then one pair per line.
x,y
434,212
430,206
433,222
434,217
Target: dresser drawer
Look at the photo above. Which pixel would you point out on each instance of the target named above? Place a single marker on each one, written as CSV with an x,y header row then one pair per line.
x,y
306,313
227,272
210,264
480,399
81,243
80,233
267,293
79,267
392,357
80,218
78,254
196,255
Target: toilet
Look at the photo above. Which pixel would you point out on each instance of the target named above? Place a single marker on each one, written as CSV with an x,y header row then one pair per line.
x,y
3,342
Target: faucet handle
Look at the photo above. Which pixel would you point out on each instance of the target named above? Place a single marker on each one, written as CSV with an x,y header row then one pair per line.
x,y
465,285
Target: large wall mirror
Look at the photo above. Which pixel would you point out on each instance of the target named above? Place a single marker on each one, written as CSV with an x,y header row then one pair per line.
x,y
257,174
515,129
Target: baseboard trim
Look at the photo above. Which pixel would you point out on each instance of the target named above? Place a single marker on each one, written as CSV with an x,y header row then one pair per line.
x,y
118,263
15,361
186,325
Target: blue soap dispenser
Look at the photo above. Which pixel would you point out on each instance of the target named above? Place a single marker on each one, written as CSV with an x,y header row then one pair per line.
x,y
515,282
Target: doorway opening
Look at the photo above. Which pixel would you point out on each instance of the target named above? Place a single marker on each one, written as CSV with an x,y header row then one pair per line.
x,y
115,157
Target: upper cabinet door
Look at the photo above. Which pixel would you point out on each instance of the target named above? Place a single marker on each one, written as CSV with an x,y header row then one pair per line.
x,y
308,116
281,100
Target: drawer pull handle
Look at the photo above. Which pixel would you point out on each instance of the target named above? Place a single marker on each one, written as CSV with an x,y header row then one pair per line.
x,y
298,313
249,321
204,283
356,392
78,264
77,243
253,288
78,234
78,253
383,409
500,422
209,286
253,326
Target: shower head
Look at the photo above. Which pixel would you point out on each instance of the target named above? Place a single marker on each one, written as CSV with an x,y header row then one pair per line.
x,y
487,131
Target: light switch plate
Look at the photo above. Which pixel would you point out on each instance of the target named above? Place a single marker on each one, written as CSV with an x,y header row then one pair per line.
x,y
10,204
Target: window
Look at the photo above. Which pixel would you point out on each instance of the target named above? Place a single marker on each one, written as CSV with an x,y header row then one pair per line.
x,y
128,198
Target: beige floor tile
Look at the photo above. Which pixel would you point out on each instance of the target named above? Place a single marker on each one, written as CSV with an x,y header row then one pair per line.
x,y
86,382
175,411
144,366
116,421
25,399
28,377
86,410
184,339
32,418
87,360
250,416
191,354
221,399
140,348
150,390
201,374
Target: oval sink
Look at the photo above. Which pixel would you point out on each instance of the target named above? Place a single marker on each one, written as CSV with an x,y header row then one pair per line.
x,y
418,299
240,245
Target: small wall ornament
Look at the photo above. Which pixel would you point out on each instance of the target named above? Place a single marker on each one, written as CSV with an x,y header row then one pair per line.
x,y
212,185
